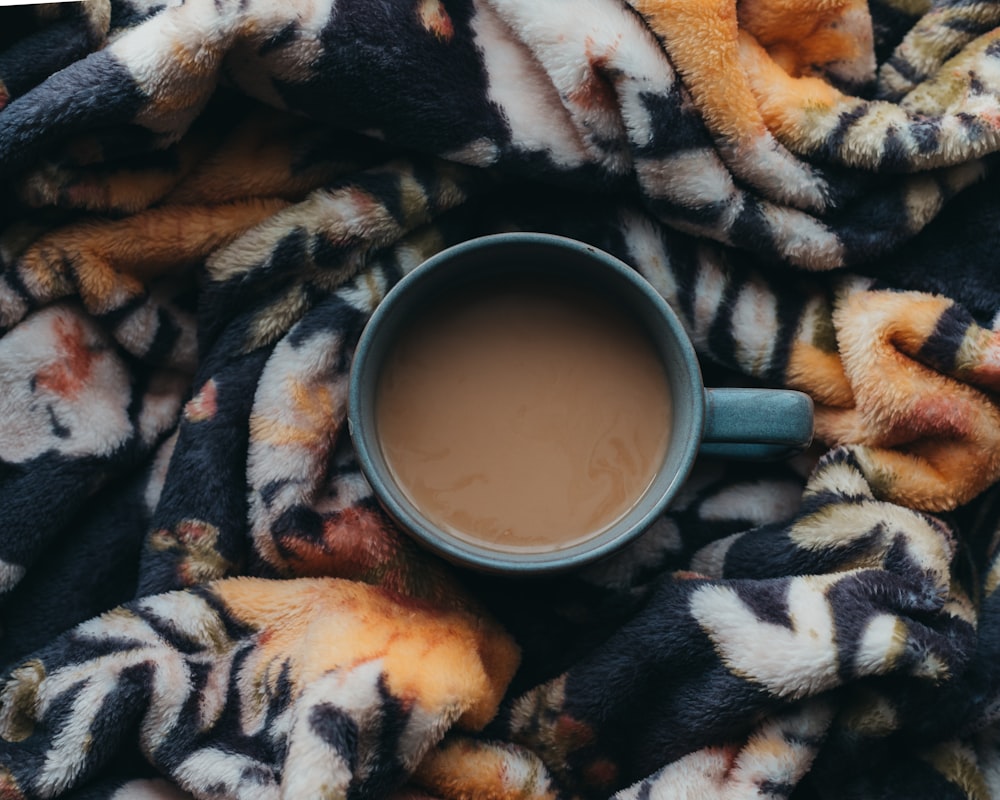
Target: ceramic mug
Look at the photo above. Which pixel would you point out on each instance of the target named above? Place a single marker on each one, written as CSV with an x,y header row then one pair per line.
x,y
727,422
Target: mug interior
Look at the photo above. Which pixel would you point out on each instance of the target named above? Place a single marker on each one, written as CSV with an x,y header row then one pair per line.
x,y
533,255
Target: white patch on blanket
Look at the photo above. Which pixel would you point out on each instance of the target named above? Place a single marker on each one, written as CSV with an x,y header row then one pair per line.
x,y
646,251
137,331
347,489
926,544
775,172
522,774
883,639
480,152
91,683
859,69
693,178
710,287
145,8
63,388
922,199
711,559
291,441
758,502
696,776
171,676
755,327
537,118
158,473
292,62
790,662
311,762
68,752
642,71
580,47
423,729
782,749
215,772
804,240
10,575
415,249
161,404
778,752
367,291
307,368
188,615
198,32
12,305
353,693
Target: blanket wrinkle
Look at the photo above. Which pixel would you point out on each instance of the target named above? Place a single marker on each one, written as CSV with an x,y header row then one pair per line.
x,y
855,610
202,203
288,671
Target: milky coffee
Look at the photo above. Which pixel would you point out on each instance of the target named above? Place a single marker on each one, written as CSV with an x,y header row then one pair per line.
x,y
523,415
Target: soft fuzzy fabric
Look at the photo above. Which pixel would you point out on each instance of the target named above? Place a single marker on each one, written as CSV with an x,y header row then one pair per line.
x,y
202,203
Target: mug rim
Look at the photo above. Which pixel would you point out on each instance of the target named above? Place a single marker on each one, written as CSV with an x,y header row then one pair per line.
x,y
461,551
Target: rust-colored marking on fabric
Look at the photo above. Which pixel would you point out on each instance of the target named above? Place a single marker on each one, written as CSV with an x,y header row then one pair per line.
x,y
69,375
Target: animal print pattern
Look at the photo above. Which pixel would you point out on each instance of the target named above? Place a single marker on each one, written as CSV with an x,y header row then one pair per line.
x,y
310,701
202,204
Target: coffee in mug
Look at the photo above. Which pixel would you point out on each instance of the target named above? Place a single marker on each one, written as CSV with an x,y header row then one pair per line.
x,y
522,413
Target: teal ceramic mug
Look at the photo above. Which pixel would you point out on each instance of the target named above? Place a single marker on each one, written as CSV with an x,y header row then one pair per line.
x,y
727,422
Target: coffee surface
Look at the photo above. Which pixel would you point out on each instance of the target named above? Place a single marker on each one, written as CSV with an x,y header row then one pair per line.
x,y
524,416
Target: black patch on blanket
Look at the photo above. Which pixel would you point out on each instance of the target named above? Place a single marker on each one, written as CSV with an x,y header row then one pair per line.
x,y
674,124
28,62
90,568
950,255
372,50
97,91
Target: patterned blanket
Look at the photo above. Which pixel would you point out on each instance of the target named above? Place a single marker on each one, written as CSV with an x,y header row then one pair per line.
x,y
202,201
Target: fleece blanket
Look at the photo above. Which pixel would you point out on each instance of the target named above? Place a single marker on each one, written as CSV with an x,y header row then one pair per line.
x,y
201,203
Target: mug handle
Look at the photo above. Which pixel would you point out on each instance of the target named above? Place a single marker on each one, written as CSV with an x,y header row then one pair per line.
x,y
756,424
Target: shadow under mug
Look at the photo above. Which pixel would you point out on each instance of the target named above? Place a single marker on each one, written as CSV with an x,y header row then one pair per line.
x,y
727,422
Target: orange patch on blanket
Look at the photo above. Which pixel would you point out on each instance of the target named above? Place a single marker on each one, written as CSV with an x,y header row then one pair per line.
x,y
355,544
942,415
467,769
601,772
312,415
193,543
434,17
594,91
9,789
802,35
787,102
931,438
573,732
109,261
820,374
701,37
447,662
203,406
